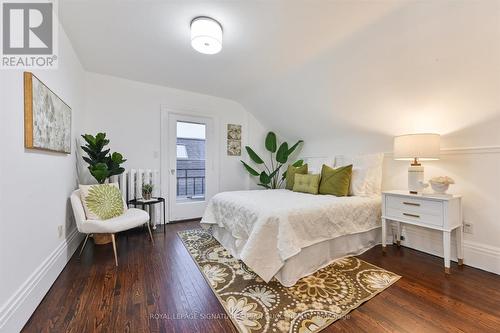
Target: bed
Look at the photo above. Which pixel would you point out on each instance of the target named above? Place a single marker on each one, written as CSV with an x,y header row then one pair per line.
x,y
288,235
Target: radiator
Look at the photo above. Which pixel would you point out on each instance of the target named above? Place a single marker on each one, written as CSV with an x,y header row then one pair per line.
x,y
130,183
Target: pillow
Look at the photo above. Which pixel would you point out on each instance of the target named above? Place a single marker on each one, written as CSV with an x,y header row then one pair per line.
x,y
315,163
102,201
335,181
306,183
291,172
366,176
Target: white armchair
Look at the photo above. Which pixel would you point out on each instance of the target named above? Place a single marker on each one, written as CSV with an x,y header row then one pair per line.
x,y
130,219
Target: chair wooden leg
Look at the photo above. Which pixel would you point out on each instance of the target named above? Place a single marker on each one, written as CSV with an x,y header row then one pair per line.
x,y
114,248
150,234
83,246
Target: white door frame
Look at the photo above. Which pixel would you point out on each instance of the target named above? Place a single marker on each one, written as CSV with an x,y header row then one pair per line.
x,y
214,162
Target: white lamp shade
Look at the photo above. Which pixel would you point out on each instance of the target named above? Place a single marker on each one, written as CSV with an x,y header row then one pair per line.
x,y
206,35
424,146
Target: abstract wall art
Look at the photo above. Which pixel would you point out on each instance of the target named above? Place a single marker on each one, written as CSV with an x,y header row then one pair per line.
x,y
47,119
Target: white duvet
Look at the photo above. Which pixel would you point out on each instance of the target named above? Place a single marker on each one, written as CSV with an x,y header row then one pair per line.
x,y
273,225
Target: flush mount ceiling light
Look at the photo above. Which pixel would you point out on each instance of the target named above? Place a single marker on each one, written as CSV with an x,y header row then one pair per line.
x,y
206,35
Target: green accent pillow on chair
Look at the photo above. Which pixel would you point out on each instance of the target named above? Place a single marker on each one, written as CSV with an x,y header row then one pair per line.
x,y
102,201
291,172
335,181
306,183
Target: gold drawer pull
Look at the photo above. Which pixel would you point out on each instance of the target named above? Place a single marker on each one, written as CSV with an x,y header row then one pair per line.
x,y
411,204
411,215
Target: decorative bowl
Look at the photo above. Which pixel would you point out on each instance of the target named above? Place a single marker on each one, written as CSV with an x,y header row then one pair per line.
x,y
440,188
441,184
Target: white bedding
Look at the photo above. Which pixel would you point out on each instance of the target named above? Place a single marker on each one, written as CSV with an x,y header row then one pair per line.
x,y
271,226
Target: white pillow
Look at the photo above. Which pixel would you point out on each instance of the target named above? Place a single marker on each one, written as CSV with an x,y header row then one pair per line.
x,y
366,173
314,164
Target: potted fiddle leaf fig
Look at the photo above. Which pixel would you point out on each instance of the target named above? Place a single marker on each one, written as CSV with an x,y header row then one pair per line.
x,y
102,163
270,177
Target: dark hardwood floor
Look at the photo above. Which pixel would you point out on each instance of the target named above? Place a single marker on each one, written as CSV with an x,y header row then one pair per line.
x,y
159,289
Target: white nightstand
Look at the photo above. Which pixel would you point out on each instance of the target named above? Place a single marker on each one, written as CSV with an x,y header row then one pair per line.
x,y
443,213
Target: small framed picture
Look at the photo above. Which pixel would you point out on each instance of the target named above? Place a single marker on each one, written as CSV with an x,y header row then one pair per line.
x,y
234,147
233,132
233,140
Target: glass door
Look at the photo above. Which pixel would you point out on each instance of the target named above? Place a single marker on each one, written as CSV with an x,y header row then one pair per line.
x,y
189,142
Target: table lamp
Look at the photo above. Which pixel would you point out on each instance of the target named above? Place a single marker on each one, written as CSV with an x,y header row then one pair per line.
x,y
416,148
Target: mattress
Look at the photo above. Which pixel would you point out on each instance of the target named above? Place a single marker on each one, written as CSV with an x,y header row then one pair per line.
x,y
269,227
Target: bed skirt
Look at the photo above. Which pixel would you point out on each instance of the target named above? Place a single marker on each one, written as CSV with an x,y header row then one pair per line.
x,y
313,257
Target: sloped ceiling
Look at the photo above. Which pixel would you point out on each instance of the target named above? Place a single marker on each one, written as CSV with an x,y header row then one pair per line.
x,y
310,69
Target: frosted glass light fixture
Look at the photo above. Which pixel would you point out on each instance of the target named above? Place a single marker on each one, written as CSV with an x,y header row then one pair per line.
x,y
206,35
416,148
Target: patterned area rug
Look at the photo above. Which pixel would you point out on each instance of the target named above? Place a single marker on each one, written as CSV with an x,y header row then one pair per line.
x,y
313,303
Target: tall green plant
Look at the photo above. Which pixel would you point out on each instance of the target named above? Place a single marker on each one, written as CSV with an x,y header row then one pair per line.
x,y
102,164
270,177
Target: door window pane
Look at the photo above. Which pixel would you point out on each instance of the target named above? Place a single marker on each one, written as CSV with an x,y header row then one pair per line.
x,y
191,148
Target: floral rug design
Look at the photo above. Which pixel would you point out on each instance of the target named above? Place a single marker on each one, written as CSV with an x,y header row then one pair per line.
x,y
312,304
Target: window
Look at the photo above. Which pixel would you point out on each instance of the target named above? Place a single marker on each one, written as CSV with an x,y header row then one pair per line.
x,y
181,152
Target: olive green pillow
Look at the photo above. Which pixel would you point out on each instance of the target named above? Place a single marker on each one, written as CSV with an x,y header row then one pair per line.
x,y
335,181
102,201
291,172
306,183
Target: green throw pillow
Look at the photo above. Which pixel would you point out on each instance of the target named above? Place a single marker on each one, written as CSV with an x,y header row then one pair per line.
x,y
306,183
291,172
335,181
102,202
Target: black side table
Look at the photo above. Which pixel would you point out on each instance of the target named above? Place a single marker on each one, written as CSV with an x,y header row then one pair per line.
x,y
143,204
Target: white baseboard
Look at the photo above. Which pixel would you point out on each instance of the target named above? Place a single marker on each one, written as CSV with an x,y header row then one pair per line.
x,y
477,255
20,306
482,256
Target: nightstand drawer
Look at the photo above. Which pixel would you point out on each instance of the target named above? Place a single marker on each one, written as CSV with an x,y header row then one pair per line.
x,y
419,217
415,205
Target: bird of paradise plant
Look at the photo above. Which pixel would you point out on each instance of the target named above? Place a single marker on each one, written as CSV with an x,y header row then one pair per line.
x,y
270,177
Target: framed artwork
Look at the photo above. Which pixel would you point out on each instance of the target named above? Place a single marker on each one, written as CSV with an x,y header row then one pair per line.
x,y
234,147
233,140
47,119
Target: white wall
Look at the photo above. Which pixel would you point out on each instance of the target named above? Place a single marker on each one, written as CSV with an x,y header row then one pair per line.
x,y
129,112
34,191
